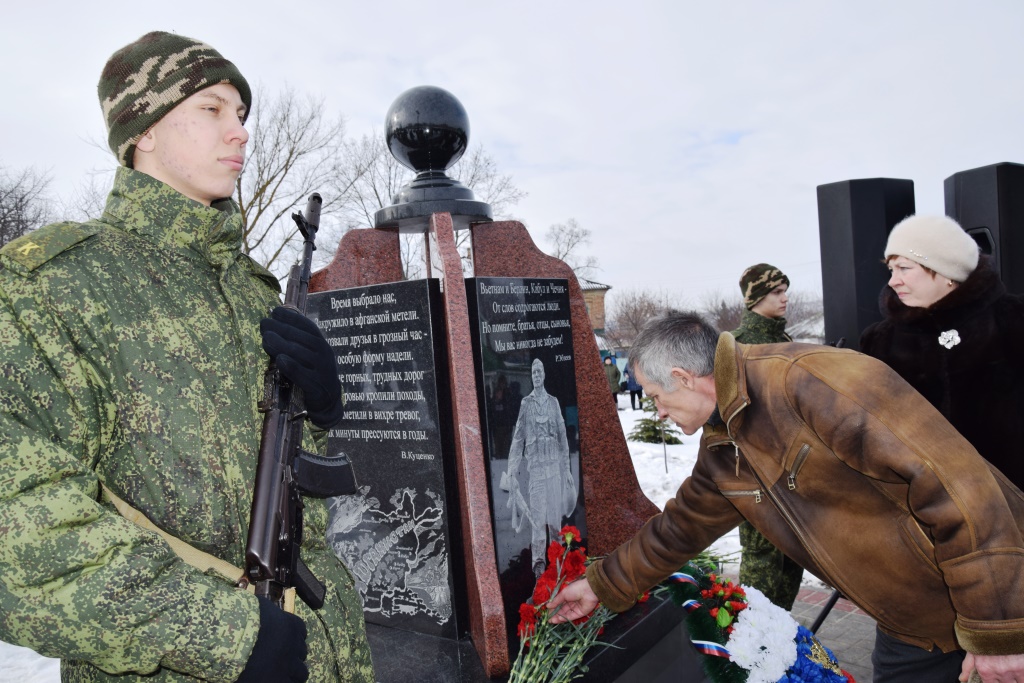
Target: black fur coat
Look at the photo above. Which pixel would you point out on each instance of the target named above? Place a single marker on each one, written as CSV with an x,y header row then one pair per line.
x,y
977,383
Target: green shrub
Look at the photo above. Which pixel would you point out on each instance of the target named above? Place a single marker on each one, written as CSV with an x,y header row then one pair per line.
x,y
651,429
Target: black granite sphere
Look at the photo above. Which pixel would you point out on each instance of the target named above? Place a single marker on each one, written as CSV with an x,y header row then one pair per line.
x,y
427,129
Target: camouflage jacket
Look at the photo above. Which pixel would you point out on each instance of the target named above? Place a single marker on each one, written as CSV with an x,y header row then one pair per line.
x,y
130,353
757,329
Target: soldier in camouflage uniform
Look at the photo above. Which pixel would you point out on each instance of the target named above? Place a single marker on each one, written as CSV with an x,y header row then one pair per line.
x,y
762,565
130,356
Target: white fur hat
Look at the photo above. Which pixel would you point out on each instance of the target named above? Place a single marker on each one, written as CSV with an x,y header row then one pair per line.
x,y
936,242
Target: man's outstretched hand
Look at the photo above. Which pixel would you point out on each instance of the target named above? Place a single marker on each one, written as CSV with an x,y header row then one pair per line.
x,y
577,600
998,668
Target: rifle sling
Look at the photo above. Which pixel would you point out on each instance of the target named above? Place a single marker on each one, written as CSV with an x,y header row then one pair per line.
x,y
204,562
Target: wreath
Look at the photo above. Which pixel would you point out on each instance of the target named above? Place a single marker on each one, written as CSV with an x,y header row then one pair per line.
x,y
744,637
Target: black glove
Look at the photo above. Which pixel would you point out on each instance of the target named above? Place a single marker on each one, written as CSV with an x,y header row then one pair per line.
x,y
279,655
304,356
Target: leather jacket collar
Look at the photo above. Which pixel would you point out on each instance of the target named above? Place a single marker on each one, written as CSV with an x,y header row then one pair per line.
x,y
730,390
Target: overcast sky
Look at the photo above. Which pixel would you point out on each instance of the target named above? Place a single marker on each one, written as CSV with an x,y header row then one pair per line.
x,y
687,137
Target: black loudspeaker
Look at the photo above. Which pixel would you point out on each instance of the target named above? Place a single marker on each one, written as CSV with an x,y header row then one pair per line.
x,y
854,220
988,202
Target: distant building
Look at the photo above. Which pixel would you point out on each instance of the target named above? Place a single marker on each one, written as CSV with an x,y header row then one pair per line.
x,y
593,296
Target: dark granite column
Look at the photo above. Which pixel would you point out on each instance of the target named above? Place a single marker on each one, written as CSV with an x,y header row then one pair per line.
x,y
486,612
616,506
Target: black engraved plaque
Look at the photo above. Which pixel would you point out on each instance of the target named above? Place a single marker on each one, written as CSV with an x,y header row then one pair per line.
x,y
397,534
526,376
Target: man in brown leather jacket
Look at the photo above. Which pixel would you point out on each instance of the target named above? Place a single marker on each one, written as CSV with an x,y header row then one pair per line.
x,y
854,475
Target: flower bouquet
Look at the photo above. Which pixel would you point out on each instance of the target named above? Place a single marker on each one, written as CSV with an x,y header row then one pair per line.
x,y
747,639
550,653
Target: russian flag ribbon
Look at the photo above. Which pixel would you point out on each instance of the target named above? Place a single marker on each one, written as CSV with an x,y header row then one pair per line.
x,y
709,648
679,577
691,605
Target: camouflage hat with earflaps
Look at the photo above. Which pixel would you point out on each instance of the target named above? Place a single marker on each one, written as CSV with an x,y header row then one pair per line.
x,y
144,80
758,281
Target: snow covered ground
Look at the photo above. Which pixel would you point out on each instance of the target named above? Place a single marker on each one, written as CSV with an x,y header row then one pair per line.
x,y
21,665
659,469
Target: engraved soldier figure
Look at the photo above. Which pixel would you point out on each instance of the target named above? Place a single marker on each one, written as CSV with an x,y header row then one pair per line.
x,y
540,438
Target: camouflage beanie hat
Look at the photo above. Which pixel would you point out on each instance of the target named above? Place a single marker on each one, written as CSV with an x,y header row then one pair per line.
x,y
757,281
144,80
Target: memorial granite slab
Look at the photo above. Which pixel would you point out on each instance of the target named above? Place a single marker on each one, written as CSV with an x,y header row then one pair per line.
x,y
526,379
399,534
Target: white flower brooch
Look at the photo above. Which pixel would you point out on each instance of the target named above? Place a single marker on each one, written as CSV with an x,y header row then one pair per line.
x,y
949,338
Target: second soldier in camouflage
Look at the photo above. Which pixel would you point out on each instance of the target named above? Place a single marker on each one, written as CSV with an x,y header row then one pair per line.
x,y
765,296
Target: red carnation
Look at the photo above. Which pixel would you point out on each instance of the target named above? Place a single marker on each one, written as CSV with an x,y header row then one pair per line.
x,y
555,552
527,620
542,591
574,566
570,534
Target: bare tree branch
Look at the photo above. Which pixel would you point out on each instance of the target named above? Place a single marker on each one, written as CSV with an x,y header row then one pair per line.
x,y
567,241
375,177
478,171
293,151
724,311
23,203
90,197
629,310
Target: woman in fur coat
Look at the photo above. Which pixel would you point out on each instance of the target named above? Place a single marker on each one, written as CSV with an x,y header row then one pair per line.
x,y
954,333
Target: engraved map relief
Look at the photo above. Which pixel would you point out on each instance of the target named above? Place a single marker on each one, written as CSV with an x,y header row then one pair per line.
x,y
396,551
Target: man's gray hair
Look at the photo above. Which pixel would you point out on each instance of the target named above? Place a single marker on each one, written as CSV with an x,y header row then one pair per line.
x,y
675,339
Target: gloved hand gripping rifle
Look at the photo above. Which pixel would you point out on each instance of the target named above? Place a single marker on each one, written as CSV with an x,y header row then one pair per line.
x,y
285,472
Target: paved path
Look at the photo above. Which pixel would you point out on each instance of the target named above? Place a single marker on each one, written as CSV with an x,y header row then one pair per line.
x,y
847,630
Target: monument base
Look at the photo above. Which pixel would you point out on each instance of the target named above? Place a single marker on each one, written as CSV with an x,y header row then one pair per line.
x,y
404,656
651,646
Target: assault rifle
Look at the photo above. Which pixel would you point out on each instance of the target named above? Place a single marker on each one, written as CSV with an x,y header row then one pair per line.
x,y
285,471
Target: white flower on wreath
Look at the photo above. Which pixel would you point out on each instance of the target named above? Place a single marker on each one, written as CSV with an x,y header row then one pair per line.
x,y
763,640
949,338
